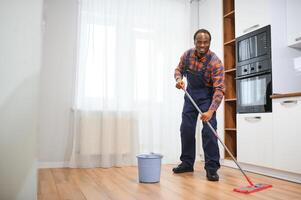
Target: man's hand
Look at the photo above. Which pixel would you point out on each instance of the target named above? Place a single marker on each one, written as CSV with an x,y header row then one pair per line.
x,y
180,84
206,116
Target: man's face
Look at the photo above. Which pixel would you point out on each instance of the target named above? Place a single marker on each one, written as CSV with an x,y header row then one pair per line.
x,y
202,43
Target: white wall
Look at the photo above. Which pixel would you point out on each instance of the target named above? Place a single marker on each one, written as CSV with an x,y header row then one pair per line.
x,y
57,74
211,18
20,41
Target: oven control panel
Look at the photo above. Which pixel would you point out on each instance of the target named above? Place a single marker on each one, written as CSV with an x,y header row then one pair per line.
x,y
253,68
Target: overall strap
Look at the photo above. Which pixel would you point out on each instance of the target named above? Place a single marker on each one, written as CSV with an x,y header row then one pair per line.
x,y
187,64
208,60
187,61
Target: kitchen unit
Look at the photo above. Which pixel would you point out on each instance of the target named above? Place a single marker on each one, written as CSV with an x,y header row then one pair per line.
x,y
293,23
251,15
287,132
267,140
283,17
255,139
268,143
254,71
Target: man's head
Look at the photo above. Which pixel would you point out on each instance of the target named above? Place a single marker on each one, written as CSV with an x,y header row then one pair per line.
x,y
202,39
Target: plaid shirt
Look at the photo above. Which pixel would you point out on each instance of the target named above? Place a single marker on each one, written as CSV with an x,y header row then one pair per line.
x,y
214,74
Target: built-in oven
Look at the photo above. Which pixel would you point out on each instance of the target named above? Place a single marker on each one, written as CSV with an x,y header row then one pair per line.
x,y
253,94
254,46
254,71
254,87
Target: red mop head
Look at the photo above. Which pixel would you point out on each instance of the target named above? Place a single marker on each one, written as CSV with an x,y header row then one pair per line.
x,y
252,188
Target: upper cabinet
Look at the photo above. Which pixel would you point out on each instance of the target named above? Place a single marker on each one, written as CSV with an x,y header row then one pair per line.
x,y
293,11
251,15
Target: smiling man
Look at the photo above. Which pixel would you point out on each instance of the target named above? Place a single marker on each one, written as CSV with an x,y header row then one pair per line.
x,y
205,76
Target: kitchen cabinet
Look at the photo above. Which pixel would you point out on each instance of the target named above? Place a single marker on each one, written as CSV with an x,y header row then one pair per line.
x,y
251,15
293,16
287,134
255,139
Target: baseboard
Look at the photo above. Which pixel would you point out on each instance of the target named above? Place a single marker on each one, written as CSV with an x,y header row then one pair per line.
x,y
228,163
62,164
288,176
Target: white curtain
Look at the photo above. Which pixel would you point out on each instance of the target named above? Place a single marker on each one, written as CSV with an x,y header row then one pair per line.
x,y
126,102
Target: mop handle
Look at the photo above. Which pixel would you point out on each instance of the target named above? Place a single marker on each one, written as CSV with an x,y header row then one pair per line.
x,y
215,133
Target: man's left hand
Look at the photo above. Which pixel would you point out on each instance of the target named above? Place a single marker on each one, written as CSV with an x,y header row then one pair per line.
x,y
206,116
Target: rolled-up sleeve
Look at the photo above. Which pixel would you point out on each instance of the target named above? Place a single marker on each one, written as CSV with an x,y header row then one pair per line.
x,y
218,79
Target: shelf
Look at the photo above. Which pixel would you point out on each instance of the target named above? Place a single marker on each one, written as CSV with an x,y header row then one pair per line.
x,y
229,21
230,142
230,74
230,114
231,42
230,100
230,84
229,57
230,70
228,6
229,29
230,129
229,15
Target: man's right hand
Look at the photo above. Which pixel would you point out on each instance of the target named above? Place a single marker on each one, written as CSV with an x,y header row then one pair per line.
x,y
180,84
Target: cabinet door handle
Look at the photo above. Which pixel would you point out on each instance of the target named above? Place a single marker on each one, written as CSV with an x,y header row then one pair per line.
x,y
289,102
297,39
253,119
251,28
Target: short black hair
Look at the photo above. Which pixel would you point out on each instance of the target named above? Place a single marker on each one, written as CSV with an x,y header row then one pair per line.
x,y
201,31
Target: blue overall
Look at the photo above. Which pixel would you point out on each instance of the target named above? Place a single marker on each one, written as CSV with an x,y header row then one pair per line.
x,y
202,95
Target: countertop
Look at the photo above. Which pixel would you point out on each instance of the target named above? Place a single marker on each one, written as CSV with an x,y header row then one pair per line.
x,y
277,96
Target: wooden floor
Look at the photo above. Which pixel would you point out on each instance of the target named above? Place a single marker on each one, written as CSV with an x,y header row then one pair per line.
x,y
121,183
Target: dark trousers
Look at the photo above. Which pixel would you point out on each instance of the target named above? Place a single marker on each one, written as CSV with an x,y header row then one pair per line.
x,y
188,127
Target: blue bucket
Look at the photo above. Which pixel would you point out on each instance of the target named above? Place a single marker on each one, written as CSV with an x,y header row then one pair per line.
x,y
149,167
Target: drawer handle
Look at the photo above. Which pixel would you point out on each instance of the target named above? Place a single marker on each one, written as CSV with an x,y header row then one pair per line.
x,y
251,28
297,39
253,119
289,102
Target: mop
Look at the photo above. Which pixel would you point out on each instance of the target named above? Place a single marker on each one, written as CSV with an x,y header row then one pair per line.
x,y
246,189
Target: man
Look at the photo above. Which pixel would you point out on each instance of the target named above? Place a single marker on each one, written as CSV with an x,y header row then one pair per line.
x,y
205,83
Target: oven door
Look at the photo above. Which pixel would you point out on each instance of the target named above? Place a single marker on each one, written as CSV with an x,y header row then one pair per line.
x,y
253,93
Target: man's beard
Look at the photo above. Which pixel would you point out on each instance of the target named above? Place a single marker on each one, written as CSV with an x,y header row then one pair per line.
x,y
202,53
